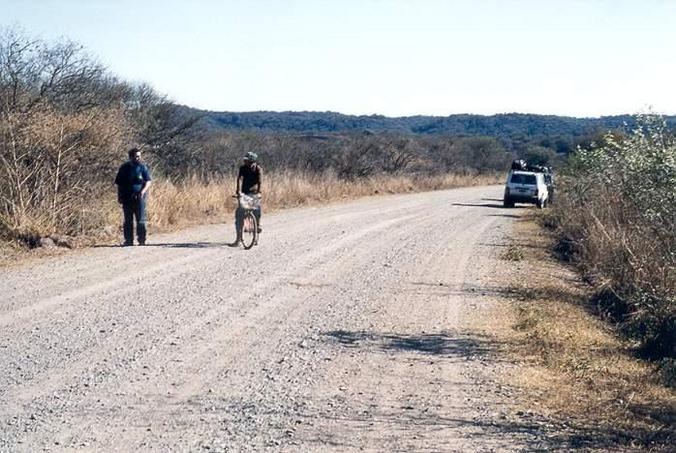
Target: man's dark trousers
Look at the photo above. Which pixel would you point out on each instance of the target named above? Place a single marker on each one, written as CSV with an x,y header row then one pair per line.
x,y
135,208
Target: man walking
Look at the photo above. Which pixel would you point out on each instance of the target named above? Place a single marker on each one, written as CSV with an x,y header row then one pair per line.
x,y
133,180
248,183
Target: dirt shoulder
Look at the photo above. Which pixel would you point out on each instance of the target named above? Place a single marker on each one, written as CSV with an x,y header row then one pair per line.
x,y
575,375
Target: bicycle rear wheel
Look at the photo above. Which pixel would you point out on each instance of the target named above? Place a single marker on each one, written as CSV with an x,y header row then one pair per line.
x,y
249,230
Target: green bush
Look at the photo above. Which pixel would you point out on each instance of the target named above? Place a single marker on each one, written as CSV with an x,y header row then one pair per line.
x,y
618,208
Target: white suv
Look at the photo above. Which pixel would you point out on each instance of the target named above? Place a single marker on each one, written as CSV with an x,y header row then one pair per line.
x,y
526,187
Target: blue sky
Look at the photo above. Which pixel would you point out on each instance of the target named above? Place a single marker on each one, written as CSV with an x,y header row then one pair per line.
x,y
390,57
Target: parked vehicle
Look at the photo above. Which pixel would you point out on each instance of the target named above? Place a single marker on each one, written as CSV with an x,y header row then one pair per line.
x,y
526,187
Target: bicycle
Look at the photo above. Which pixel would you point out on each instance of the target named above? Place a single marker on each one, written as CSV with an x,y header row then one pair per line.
x,y
248,232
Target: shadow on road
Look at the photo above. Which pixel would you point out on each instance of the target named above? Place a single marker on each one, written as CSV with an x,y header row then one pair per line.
x,y
524,244
531,430
511,216
441,344
482,205
190,245
193,245
443,289
528,432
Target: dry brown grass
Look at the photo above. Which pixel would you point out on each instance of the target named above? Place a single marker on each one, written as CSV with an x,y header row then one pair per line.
x,y
575,367
195,201
286,189
512,253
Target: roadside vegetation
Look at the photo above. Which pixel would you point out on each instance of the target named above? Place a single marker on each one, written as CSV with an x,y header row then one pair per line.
x,y
598,355
617,220
64,123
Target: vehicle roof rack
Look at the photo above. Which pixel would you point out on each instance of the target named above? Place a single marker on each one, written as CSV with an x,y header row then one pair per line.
x,y
520,164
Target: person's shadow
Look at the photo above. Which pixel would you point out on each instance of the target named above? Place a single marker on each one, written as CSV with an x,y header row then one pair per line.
x,y
189,245
482,205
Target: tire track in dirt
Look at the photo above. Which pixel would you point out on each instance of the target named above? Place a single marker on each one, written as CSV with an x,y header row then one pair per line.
x,y
99,352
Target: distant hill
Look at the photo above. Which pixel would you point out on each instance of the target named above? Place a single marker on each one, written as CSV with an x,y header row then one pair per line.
x,y
515,130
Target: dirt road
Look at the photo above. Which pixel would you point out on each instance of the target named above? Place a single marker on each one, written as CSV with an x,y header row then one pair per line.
x,y
348,329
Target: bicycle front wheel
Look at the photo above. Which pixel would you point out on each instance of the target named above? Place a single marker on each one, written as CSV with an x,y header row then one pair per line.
x,y
249,230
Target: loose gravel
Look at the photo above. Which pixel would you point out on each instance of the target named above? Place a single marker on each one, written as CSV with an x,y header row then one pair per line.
x,y
349,328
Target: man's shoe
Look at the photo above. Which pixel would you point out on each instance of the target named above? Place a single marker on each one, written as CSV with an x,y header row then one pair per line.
x,y
260,230
237,243
126,244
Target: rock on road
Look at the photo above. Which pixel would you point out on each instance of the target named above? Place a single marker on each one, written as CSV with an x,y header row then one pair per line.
x,y
347,329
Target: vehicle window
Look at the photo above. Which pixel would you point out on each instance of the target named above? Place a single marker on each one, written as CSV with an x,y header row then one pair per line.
x,y
518,178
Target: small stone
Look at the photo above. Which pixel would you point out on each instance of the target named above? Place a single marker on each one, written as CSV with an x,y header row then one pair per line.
x,y
62,241
46,242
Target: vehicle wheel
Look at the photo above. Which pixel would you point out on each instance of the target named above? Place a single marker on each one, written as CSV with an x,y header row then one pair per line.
x,y
249,230
507,203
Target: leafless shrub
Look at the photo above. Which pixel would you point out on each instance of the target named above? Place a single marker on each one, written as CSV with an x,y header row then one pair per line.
x,y
59,128
65,124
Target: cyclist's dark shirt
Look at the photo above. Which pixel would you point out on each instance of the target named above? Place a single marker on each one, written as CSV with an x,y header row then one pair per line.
x,y
251,176
130,179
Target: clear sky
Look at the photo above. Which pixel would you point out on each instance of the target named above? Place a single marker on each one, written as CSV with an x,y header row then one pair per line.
x,y
389,57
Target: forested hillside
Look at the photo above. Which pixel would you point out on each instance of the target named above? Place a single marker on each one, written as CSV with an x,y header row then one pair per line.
x,y
515,131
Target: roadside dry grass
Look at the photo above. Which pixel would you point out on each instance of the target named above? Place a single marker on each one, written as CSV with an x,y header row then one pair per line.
x,y
192,202
574,368
197,201
176,205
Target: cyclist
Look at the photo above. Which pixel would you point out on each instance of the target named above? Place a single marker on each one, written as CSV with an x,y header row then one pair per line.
x,y
248,183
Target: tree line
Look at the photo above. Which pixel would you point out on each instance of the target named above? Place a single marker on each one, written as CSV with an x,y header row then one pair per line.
x,y
515,131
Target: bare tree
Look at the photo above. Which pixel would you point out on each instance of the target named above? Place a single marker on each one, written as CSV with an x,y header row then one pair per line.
x,y
60,121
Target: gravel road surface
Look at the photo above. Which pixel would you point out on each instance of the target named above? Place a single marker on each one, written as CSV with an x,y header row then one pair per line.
x,y
349,328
